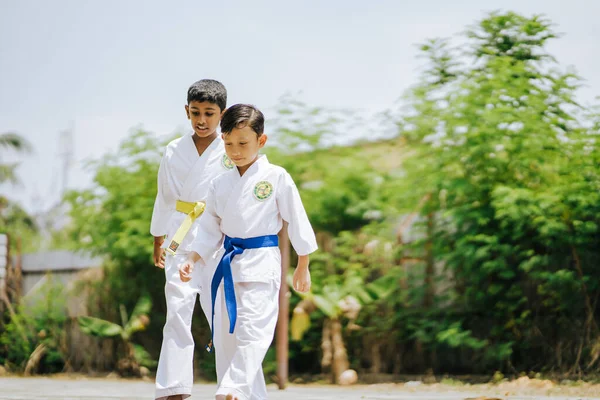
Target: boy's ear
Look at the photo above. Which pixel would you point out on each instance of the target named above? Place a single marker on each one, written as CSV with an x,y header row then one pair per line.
x,y
187,111
223,112
223,136
262,140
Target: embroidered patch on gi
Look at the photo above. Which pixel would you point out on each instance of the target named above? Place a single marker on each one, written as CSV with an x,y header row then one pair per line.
x,y
226,162
173,245
263,190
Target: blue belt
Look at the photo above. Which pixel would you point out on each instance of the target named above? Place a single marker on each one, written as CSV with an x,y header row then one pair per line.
x,y
233,246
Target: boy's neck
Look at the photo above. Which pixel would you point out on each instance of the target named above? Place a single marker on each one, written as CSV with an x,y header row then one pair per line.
x,y
207,139
243,169
202,143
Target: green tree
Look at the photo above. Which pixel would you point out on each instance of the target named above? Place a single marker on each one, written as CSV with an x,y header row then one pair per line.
x,y
499,145
113,218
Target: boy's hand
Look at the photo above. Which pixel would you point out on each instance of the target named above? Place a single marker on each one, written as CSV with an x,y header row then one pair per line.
x,y
186,269
159,252
301,280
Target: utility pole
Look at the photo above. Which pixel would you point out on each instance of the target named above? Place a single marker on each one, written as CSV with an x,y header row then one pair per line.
x,y
66,154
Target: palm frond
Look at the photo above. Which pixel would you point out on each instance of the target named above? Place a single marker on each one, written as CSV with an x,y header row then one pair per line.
x,y
15,142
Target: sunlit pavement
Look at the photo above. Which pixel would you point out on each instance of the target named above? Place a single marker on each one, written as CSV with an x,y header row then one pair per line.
x,y
104,389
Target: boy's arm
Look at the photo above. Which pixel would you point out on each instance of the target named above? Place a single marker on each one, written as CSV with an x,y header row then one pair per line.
x,y
160,216
159,252
292,211
209,235
161,212
300,231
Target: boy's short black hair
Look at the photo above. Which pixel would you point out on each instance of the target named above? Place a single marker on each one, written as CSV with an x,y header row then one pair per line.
x,y
208,90
242,115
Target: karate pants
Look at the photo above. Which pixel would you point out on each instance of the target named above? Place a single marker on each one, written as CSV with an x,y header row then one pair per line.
x,y
175,374
239,356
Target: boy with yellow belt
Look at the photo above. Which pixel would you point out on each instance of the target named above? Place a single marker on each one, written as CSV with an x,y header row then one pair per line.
x,y
187,167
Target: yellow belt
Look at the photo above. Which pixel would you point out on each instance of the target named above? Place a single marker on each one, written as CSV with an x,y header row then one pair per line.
x,y
193,211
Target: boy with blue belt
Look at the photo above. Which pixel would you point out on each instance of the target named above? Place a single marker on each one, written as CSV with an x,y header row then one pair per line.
x,y
245,209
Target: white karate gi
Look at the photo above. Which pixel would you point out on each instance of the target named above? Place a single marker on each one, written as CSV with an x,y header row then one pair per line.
x,y
183,175
249,206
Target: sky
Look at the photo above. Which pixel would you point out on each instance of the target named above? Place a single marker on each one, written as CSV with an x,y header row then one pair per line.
x,y
101,68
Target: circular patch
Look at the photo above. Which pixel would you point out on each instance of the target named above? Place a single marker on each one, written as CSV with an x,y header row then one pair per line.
x,y
263,190
226,162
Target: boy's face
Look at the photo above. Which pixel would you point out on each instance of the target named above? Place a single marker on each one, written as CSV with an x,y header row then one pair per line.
x,y
204,116
242,145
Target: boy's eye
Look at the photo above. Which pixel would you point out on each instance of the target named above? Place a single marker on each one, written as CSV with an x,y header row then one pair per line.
x,y
243,143
227,144
195,113
210,114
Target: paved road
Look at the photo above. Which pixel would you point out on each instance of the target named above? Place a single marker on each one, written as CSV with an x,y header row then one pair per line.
x,y
103,389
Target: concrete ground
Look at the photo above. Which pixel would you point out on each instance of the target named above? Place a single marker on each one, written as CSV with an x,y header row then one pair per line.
x,y
53,388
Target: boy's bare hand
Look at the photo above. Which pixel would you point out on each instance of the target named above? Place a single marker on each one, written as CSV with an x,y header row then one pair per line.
x,y
301,281
159,254
185,270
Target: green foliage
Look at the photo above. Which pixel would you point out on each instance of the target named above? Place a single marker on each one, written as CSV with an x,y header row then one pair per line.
x,y
143,357
509,164
455,336
339,186
514,178
15,221
99,327
40,319
113,218
138,321
13,142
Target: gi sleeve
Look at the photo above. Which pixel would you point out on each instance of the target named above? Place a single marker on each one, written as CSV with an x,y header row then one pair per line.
x,y
209,236
162,210
292,211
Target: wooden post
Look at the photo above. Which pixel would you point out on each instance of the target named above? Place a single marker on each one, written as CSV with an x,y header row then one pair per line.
x,y
281,334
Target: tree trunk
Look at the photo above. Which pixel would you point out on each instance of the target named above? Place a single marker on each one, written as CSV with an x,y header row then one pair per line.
x,y
590,321
340,356
376,357
398,361
326,347
420,356
430,264
34,359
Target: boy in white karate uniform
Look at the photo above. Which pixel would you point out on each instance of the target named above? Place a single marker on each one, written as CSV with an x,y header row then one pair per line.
x,y
187,167
245,209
